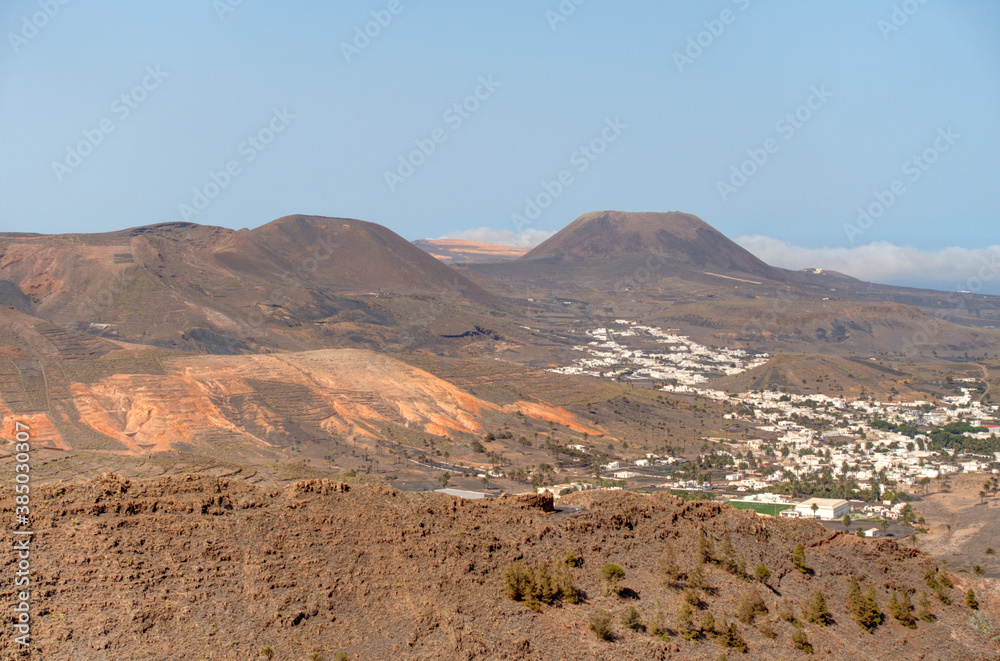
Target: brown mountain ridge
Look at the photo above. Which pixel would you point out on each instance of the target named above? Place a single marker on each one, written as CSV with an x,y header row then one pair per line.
x,y
218,569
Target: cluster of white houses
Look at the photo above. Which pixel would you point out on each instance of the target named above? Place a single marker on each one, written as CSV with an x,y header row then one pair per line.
x,y
617,350
862,451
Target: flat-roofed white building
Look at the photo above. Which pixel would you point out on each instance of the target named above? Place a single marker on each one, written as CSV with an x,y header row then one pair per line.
x,y
826,508
462,493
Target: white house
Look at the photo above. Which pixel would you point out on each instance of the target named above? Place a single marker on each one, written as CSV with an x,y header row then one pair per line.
x,y
826,508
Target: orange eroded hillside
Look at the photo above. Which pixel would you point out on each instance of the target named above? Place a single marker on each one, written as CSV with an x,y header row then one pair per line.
x,y
41,431
338,391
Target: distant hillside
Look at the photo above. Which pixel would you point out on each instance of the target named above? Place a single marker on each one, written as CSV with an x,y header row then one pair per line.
x,y
300,282
831,375
616,243
361,255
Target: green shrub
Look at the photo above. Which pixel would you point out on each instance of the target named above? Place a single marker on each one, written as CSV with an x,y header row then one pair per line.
x,y
864,607
565,584
817,611
600,624
801,641
730,636
970,600
518,580
762,573
535,584
900,608
924,613
767,630
685,624
542,588
658,625
707,623
612,576
632,620
799,559
706,548
729,560
670,570
698,579
751,605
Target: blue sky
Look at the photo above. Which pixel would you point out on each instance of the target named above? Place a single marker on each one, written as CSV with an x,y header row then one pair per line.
x,y
310,118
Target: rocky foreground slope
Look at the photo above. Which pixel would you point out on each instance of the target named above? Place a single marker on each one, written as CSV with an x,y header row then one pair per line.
x,y
201,568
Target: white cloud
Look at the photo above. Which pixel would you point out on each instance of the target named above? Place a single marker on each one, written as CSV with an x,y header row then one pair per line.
x,y
529,238
951,268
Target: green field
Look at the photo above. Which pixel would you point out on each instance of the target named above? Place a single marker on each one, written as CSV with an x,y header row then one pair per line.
x,y
760,508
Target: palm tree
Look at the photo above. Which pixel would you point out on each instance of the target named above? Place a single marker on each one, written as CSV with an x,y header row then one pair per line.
x,y
982,497
814,507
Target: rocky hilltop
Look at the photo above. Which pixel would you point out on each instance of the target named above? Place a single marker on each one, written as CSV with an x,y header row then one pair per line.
x,y
617,240
206,568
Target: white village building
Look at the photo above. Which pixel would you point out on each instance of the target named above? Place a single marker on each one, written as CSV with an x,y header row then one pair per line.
x,y
826,508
